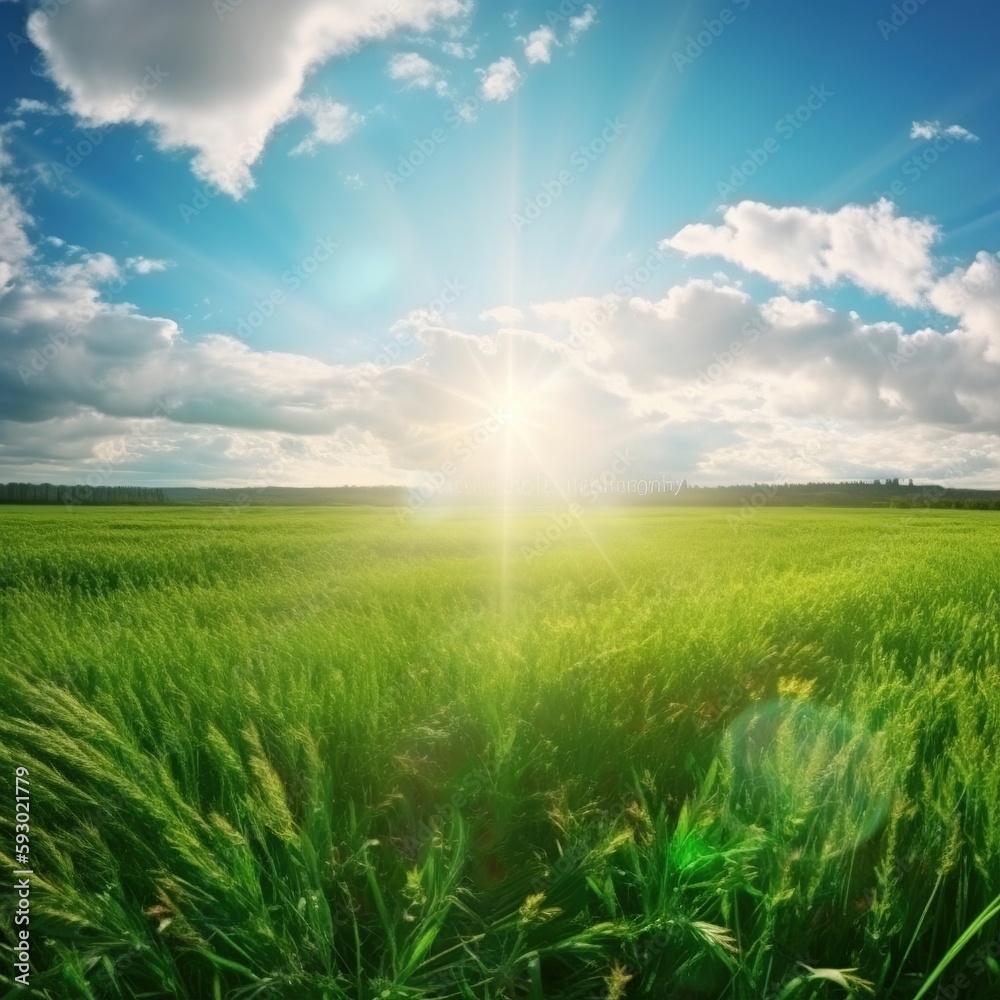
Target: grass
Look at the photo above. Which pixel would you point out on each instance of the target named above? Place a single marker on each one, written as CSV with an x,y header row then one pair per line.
x,y
343,754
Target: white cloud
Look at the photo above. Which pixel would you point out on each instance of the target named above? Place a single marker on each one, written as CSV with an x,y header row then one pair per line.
x,y
15,247
504,315
706,353
671,388
413,70
935,130
214,79
972,294
459,50
30,106
332,123
704,382
499,80
870,246
538,45
581,22
147,265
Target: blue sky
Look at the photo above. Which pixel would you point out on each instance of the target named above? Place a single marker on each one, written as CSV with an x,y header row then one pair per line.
x,y
389,176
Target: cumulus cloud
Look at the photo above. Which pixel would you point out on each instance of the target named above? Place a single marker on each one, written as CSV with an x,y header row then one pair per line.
x,y
331,123
538,45
579,23
147,265
935,130
215,79
705,382
499,80
707,359
972,295
66,349
413,70
15,246
869,245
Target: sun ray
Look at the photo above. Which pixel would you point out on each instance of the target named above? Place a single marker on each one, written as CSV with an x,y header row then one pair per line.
x,y
566,499
514,167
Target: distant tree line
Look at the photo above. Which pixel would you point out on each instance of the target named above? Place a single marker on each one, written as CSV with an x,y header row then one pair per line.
x,y
81,494
956,504
856,493
888,493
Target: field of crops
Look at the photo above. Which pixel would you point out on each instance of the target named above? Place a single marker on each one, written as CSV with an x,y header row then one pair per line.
x,y
322,753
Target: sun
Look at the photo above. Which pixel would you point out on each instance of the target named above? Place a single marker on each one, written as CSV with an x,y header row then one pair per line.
x,y
511,412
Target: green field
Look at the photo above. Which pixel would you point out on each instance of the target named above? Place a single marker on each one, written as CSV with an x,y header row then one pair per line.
x,y
322,753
